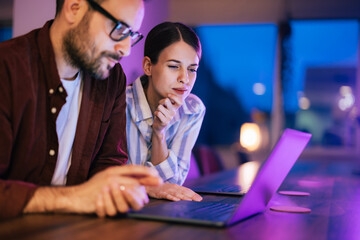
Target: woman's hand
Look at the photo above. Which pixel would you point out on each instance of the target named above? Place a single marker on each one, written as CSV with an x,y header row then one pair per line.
x,y
173,192
165,112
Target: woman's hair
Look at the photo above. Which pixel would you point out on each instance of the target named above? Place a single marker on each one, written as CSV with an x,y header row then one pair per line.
x,y
167,33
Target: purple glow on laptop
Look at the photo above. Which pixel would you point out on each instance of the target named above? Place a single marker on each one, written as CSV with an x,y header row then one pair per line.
x,y
272,173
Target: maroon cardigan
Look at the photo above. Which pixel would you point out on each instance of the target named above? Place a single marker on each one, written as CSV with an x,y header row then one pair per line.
x,y
29,89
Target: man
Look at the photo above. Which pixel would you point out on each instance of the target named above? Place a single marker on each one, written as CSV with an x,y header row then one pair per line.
x,y
62,113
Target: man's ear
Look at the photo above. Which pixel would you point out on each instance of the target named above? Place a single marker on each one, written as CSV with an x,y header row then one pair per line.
x,y
74,10
147,66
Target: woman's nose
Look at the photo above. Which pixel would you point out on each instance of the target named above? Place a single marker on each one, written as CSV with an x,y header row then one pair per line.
x,y
184,77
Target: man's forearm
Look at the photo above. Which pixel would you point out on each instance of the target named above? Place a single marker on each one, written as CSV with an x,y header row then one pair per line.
x,y
52,199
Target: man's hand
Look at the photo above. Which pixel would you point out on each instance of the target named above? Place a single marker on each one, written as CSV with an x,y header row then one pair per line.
x,y
116,189
165,111
173,192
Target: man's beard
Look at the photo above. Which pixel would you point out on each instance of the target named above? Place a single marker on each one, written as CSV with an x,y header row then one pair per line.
x,y
79,50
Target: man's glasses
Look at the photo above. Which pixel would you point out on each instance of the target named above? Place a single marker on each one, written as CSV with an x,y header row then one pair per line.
x,y
121,30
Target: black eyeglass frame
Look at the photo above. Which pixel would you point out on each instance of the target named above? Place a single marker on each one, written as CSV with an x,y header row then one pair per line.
x,y
118,23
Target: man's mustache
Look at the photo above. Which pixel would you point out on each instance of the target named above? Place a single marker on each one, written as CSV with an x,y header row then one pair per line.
x,y
116,57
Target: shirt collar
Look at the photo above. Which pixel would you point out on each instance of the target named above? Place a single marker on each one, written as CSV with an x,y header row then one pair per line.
x,y
142,108
47,56
185,106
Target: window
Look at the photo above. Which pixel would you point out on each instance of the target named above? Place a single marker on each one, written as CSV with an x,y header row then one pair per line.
x,y
5,33
235,77
319,97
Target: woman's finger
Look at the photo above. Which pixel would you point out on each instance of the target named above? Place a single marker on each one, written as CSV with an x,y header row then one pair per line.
x,y
161,117
175,100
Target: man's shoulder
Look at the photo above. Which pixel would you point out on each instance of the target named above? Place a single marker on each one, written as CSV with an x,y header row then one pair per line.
x,y
19,47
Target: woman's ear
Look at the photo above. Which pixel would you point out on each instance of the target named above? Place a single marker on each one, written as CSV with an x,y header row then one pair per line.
x,y
147,66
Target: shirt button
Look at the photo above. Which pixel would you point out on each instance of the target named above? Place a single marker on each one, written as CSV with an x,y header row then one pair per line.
x,y
53,110
52,152
51,91
61,89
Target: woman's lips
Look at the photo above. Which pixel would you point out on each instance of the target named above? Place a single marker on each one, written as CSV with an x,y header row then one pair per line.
x,y
180,91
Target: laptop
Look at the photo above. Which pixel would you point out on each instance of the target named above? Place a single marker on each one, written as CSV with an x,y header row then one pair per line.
x,y
221,214
230,182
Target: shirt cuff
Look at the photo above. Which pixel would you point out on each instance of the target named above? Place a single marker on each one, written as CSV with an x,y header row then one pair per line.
x,y
14,197
167,169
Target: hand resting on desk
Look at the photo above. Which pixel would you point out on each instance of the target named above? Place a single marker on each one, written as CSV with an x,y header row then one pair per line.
x,y
173,192
116,189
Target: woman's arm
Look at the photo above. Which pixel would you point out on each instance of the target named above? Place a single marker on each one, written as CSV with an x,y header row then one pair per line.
x,y
173,160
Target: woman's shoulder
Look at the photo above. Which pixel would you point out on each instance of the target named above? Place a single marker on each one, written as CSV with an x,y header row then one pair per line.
x,y
131,90
193,104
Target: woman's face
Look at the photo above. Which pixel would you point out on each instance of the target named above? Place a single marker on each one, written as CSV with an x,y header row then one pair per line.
x,y
175,71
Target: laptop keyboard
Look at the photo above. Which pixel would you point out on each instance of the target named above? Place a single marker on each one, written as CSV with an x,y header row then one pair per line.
x,y
221,188
230,189
204,210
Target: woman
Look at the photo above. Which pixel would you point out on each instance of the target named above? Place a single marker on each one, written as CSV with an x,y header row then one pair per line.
x,y
163,118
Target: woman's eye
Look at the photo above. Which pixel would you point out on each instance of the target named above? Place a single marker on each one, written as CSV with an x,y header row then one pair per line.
x,y
193,70
173,66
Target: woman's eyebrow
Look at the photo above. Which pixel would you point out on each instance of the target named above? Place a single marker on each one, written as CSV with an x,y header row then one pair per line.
x,y
173,60
177,61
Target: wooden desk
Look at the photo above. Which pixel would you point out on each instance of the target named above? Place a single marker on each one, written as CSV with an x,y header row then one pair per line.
x,y
334,201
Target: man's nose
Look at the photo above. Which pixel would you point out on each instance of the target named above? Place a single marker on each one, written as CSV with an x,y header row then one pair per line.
x,y
124,47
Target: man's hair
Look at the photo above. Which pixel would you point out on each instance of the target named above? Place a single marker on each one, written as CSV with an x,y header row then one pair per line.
x,y
60,3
